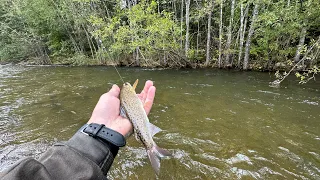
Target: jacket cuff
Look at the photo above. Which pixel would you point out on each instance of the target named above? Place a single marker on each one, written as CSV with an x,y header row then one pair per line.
x,y
99,152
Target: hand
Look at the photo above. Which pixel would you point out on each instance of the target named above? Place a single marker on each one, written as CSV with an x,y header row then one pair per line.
x,y
107,110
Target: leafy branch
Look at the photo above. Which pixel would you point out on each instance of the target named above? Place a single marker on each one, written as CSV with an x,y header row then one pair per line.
x,y
314,70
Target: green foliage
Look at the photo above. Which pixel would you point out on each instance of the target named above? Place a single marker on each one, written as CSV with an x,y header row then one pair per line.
x,y
196,56
152,33
41,28
140,27
14,40
81,60
307,76
278,29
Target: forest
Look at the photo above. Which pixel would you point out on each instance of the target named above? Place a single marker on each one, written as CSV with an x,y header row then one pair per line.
x,y
240,34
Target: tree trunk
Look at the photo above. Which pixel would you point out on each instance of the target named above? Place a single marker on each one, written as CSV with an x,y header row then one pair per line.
x,y
220,34
174,7
164,58
88,40
241,32
209,34
48,60
137,57
187,27
106,8
198,35
250,33
93,45
300,45
227,60
181,21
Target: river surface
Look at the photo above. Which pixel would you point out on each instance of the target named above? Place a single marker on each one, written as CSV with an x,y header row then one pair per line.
x,y
218,124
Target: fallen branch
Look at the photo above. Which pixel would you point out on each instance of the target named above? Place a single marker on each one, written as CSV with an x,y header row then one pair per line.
x,y
276,83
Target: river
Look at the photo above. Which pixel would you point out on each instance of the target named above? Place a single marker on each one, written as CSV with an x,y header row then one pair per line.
x,y
218,124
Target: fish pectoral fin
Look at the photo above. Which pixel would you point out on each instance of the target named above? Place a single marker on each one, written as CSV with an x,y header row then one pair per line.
x,y
153,129
135,84
123,112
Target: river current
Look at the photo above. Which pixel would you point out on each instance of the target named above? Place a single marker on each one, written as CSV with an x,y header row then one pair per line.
x,y
217,124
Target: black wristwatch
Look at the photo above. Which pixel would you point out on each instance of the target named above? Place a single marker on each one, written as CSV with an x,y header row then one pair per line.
x,y
101,132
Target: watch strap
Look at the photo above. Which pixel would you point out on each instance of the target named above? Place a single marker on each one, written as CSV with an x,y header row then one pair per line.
x,y
100,131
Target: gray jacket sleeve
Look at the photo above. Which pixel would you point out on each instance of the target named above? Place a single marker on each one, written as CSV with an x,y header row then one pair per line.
x,y
82,157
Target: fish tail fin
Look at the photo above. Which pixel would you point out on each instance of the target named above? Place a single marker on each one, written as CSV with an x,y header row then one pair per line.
x,y
155,154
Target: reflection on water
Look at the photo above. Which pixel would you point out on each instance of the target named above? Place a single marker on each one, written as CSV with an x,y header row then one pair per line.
x,y
217,124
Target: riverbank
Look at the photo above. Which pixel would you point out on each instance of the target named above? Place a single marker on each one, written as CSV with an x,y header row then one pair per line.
x,y
190,65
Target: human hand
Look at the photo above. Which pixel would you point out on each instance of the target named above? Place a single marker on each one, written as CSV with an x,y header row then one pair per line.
x,y
107,110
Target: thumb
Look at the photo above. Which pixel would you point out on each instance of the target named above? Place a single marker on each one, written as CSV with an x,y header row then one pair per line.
x,y
114,91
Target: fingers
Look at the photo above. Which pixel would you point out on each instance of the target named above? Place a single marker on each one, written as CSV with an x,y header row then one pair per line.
x,y
114,91
149,99
144,92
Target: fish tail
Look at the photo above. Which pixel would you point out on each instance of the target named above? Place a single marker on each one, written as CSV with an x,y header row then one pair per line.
x,y
155,154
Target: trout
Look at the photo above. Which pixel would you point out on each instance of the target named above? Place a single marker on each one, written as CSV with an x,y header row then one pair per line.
x,y
132,108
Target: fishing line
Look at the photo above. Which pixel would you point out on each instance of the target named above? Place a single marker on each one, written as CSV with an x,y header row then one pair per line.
x,y
118,73
114,65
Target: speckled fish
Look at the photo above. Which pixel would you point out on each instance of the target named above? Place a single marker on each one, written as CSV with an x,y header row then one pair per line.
x,y
132,108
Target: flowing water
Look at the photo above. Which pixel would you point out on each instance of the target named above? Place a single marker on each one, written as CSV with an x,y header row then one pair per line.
x,y
218,124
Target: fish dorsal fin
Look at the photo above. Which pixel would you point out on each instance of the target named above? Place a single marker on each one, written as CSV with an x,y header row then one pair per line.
x,y
153,129
135,84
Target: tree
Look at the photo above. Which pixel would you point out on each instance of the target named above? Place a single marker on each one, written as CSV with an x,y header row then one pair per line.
x,y
220,35
242,31
209,33
143,32
187,26
229,35
160,33
250,33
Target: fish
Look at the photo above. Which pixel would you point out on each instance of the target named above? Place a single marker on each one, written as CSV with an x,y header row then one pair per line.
x,y
131,108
